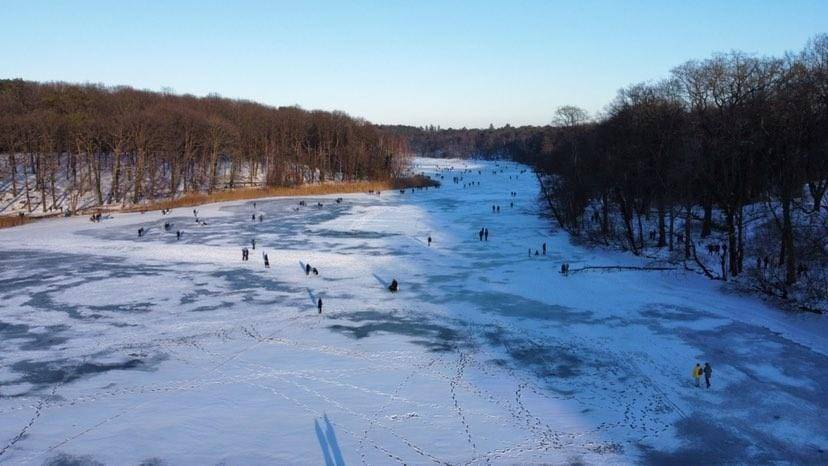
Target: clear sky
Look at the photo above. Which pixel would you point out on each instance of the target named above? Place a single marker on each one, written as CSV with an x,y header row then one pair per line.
x,y
415,62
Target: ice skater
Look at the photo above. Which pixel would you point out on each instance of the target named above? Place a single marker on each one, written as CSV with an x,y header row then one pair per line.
x,y
307,269
141,232
319,305
544,248
708,371
480,234
429,241
178,234
253,242
697,373
266,260
245,254
486,234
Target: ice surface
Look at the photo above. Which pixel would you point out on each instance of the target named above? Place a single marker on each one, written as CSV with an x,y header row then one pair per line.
x,y
122,350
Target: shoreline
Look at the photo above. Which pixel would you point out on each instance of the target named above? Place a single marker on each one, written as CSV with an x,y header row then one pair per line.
x,y
240,194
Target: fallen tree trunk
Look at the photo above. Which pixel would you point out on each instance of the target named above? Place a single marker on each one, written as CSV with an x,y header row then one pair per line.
x,y
620,267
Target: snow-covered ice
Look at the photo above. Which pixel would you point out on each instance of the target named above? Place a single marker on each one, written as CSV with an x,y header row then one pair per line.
x,y
122,350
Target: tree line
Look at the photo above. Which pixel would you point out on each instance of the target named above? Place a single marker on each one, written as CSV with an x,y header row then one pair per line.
x,y
123,145
696,150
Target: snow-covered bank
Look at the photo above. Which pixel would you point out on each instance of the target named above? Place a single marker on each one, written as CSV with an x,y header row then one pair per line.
x,y
123,349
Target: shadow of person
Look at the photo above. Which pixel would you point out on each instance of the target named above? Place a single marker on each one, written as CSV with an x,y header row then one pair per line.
x,y
382,282
332,442
323,444
328,443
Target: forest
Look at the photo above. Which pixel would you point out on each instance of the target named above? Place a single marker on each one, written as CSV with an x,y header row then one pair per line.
x,y
60,143
731,150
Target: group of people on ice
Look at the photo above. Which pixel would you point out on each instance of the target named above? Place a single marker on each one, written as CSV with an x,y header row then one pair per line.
x,y
699,371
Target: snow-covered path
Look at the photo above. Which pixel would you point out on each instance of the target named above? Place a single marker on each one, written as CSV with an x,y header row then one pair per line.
x,y
122,350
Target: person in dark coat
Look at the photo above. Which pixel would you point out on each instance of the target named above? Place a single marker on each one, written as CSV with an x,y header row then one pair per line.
x,y
141,232
307,269
544,249
319,305
315,272
266,261
245,254
429,240
253,217
708,371
393,286
253,242
480,234
178,234
486,234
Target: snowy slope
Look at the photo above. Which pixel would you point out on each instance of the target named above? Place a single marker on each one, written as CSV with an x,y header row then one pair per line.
x,y
120,350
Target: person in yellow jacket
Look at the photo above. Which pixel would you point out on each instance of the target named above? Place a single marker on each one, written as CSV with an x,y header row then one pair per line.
x,y
697,373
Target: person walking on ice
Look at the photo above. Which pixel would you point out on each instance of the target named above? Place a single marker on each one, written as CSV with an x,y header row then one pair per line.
x,y
480,234
708,371
697,373
544,249
266,261
319,305
429,241
486,234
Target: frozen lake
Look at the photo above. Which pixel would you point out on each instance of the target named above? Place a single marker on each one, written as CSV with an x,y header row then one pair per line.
x,y
116,349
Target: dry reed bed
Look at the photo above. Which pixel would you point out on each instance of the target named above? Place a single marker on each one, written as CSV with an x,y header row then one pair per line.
x,y
195,199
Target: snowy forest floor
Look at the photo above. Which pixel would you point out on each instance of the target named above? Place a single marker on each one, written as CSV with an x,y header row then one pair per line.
x,y
124,350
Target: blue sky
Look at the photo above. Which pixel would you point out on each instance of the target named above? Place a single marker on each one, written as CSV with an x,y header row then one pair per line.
x,y
446,63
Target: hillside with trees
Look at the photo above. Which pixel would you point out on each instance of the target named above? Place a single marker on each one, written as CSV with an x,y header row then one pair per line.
x,y
66,146
722,166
